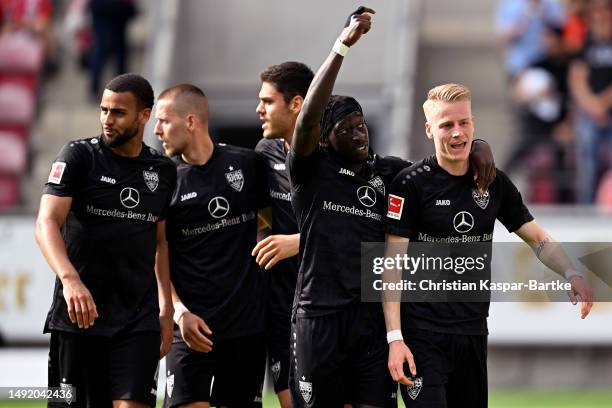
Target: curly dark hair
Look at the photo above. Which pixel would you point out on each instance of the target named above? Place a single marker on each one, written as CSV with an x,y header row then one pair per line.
x,y
289,78
135,84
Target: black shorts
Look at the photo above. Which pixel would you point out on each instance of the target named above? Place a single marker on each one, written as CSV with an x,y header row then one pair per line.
x,y
451,370
231,374
103,369
278,341
341,358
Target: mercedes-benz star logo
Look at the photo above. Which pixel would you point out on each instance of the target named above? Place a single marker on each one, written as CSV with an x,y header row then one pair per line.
x,y
218,207
129,197
463,222
366,195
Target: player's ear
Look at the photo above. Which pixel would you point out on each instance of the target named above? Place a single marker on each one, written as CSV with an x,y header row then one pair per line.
x,y
428,130
191,122
144,116
295,104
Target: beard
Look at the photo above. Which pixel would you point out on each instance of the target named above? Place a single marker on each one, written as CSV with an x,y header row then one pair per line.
x,y
121,138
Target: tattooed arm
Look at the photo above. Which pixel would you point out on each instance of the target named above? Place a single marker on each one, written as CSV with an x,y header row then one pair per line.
x,y
551,254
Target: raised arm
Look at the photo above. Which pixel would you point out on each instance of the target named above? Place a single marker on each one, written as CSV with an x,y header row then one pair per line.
x,y
551,254
307,130
51,216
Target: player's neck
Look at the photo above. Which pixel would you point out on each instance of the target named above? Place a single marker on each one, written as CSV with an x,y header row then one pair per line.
x,y
356,166
199,151
131,148
288,138
453,167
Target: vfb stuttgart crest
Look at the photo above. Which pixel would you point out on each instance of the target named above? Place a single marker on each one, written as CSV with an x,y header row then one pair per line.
x,y
378,184
235,178
151,178
415,388
68,392
306,390
276,368
169,384
481,200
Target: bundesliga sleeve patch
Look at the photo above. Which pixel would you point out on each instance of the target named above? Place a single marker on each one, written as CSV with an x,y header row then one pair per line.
x,y
57,171
396,205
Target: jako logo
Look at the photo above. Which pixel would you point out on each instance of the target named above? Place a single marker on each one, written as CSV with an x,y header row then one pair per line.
x,y
188,196
346,172
442,202
108,180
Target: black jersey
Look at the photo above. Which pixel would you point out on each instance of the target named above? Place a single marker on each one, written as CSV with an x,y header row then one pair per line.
x,y
110,232
427,204
283,275
211,230
336,210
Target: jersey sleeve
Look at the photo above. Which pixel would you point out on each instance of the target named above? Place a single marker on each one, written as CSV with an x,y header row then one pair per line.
x,y
172,175
261,147
512,213
68,171
403,206
302,169
261,174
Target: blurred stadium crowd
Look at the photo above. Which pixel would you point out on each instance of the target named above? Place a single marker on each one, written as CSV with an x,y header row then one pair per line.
x,y
37,37
557,56
558,63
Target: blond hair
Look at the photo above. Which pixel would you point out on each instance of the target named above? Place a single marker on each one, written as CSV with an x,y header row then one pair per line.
x,y
446,93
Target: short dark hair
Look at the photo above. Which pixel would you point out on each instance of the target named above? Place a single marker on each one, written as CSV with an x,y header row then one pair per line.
x,y
181,89
187,98
136,85
290,78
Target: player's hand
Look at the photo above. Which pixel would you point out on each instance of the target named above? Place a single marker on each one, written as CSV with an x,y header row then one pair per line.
x,y
81,306
359,25
194,331
399,353
166,326
483,165
274,248
580,288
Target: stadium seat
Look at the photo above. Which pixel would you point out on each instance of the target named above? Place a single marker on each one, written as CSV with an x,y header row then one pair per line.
x,y
26,79
542,187
13,153
20,53
17,104
9,191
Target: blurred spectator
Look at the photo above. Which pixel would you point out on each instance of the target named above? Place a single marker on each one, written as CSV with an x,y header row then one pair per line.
x,y
591,87
109,19
575,28
34,17
542,97
519,25
604,194
77,32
